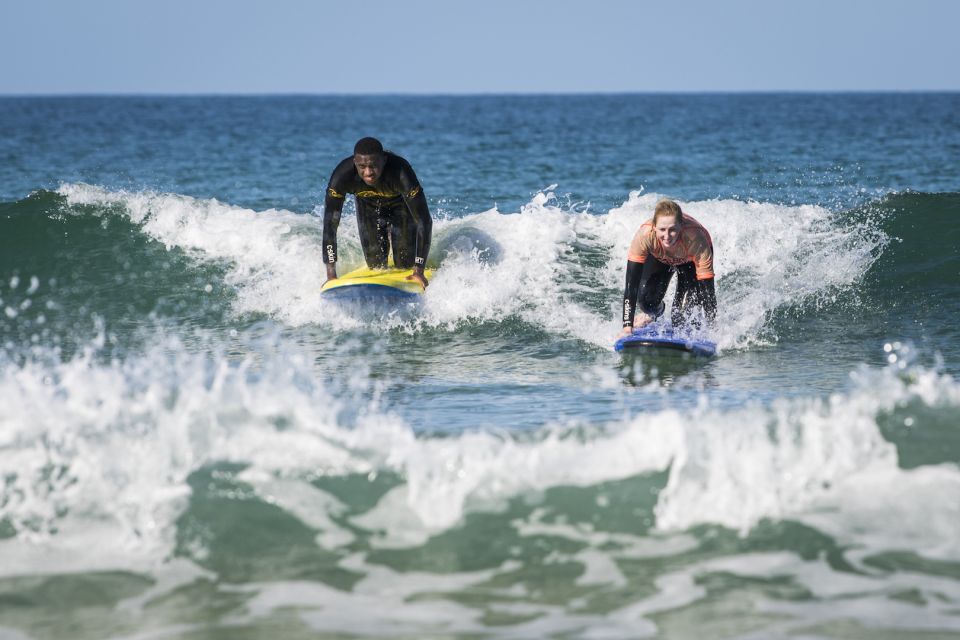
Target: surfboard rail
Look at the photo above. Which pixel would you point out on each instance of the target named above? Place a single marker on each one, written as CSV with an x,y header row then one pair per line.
x,y
654,337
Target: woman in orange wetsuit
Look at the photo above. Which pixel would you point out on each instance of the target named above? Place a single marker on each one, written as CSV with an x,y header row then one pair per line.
x,y
669,242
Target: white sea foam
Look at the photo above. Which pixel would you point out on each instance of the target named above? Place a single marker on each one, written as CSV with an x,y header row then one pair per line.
x,y
103,451
768,256
109,447
96,458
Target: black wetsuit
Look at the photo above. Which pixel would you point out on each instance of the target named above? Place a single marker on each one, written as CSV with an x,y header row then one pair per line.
x,y
647,284
392,212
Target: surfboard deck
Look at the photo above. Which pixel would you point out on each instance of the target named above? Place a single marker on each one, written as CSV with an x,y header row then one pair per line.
x,y
365,283
662,340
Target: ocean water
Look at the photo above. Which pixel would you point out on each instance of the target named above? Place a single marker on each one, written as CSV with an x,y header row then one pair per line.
x,y
194,445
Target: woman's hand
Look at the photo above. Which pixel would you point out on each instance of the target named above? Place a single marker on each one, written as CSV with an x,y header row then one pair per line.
x,y
641,320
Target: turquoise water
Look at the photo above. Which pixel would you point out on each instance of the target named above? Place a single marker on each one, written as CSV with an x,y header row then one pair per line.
x,y
193,444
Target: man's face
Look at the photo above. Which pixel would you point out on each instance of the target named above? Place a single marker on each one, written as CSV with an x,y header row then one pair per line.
x,y
369,167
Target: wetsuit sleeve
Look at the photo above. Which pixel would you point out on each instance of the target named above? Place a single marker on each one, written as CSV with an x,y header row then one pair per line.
x,y
707,295
636,257
417,204
640,245
631,291
332,208
701,250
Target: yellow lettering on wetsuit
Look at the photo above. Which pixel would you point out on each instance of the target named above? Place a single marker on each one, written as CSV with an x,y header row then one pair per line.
x,y
375,194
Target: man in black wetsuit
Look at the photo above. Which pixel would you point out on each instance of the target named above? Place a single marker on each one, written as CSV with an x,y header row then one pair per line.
x,y
391,210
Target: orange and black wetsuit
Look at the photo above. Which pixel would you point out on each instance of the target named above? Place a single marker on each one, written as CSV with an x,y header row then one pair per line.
x,y
650,266
392,212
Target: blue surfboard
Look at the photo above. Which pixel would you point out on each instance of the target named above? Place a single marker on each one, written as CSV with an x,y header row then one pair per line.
x,y
662,339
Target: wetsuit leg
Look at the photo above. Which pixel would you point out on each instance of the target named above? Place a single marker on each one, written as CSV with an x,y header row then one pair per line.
x,y
403,237
653,286
695,301
374,237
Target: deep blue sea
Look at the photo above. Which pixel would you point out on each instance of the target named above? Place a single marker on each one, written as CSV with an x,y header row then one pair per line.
x,y
194,444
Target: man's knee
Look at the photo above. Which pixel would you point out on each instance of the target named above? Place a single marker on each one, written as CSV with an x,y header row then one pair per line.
x,y
376,262
375,255
404,247
402,261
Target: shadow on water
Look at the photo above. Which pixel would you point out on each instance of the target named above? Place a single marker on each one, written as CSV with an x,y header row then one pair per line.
x,y
665,368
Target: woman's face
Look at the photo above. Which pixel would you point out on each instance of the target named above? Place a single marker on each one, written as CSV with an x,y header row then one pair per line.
x,y
667,230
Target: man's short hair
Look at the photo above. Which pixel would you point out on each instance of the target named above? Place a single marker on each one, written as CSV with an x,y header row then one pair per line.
x,y
367,147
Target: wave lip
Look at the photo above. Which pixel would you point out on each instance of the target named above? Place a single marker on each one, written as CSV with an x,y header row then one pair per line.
x,y
923,259
557,269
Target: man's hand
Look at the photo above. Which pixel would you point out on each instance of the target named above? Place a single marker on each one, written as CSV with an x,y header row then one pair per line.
x,y
418,276
331,272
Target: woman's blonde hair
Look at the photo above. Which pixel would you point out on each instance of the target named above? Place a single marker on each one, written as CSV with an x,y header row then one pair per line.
x,y
667,208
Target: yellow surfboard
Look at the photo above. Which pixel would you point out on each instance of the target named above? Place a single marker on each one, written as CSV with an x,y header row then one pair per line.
x,y
377,284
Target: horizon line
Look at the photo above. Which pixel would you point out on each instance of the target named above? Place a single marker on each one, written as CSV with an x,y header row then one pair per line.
x,y
407,94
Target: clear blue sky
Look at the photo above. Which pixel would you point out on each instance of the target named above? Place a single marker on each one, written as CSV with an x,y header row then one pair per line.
x,y
481,46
